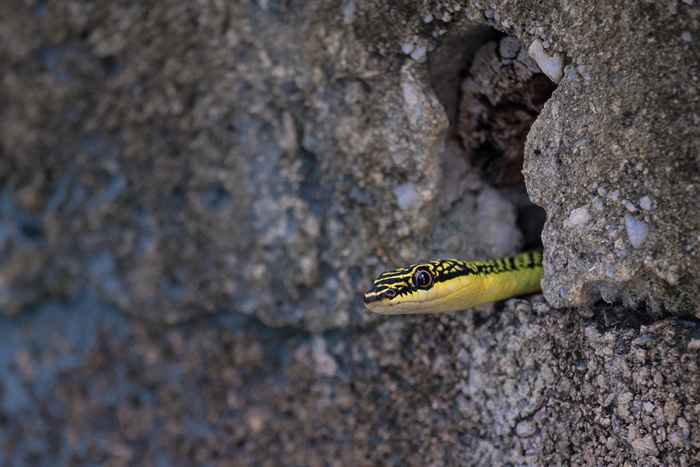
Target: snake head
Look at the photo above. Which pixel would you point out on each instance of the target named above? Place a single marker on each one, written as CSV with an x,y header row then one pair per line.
x,y
394,292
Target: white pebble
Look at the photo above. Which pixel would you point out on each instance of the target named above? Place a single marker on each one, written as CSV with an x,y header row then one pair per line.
x,y
551,65
578,217
636,230
614,195
525,429
406,195
629,206
407,47
645,203
428,19
418,53
571,73
348,11
694,344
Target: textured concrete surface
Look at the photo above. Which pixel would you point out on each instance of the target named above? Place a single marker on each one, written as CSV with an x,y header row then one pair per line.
x,y
614,158
193,196
207,157
529,385
522,384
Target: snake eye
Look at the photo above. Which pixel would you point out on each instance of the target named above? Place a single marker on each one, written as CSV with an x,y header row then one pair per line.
x,y
422,279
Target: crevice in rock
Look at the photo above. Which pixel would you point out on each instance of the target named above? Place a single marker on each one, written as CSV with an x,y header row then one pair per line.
x,y
492,92
617,315
614,316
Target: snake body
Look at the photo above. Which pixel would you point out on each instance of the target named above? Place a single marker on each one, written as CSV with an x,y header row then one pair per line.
x,y
451,284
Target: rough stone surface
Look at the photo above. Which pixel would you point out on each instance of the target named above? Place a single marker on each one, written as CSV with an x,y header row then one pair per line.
x,y
83,385
528,385
193,195
207,158
627,102
520,384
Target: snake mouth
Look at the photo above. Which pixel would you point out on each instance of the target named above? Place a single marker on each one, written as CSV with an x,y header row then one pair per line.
x,y
402,308
372,297
378,303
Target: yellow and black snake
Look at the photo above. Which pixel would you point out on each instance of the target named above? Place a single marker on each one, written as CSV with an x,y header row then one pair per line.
x,y
452,284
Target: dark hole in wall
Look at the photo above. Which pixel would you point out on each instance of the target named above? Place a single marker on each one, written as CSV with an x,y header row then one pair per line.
x,y
492,93
450,62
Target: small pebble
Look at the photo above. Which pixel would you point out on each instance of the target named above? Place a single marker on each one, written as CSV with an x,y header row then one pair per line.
x,y
629,206
551,65
578,217
571,73
644,445
348,11
407,47
418,53
597,204
636,230
525,429
645,203
406,195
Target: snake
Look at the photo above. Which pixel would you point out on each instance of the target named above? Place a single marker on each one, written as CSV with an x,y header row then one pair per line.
x,y
446,285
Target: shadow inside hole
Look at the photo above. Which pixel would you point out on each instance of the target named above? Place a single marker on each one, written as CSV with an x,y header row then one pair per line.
x,y
492,92
529,217
450,61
